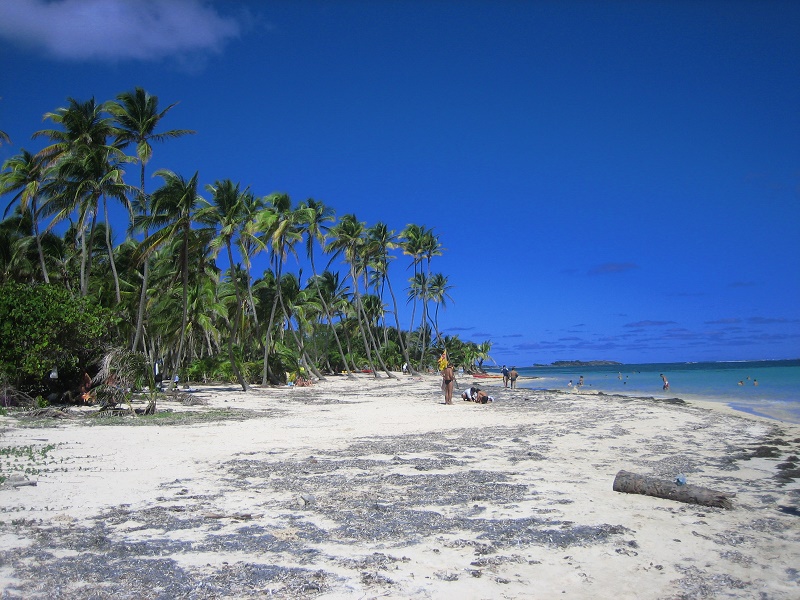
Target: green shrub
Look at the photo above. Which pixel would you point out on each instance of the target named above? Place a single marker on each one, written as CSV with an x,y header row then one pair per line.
x,y
43,327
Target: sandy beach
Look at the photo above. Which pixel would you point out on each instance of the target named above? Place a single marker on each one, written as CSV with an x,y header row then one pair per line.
x,y
364,488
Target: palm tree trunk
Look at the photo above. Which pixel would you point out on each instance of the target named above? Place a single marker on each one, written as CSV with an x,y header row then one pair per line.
x,y
86,256
234,329
111,251
185,317
399,330
34,212
361,326
268,335
142,302
330,320
145,268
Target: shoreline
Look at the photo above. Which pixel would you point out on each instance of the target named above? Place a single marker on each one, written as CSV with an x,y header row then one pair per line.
x,y
775,411
367,487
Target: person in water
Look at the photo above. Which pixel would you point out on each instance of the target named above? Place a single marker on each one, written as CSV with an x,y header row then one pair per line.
x,y
664,379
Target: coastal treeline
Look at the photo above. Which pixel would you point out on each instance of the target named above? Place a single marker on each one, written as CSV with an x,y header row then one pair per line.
x,y
180,288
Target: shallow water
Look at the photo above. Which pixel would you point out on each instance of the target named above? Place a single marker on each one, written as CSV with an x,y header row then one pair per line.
x,y
776,395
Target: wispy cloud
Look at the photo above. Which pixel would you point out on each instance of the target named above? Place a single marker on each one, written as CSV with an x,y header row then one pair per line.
x,y
731,321
611,268
769,321
112,30
650,323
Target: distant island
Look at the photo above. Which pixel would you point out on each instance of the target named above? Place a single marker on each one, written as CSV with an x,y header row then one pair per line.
x,y
580,363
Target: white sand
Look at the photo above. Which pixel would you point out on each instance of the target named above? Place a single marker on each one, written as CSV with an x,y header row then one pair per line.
x,y
514,498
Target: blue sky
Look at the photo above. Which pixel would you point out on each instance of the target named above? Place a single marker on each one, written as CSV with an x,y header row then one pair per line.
x,y
611,180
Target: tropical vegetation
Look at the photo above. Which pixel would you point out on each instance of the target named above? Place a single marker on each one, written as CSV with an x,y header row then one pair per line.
x,y
180,285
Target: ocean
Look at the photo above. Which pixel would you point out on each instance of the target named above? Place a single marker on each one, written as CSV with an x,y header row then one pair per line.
x,y
777,395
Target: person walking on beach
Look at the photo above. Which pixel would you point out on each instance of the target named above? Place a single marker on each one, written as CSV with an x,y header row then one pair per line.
x,y
664,379
448,383
505,376
512,377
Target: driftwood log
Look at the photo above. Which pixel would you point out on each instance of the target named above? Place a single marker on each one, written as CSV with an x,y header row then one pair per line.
x,y
631,483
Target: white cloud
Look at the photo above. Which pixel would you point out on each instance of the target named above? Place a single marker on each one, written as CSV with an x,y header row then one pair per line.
x,y
116,29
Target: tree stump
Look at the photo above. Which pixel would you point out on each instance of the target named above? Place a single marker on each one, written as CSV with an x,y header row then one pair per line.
x,y
631,483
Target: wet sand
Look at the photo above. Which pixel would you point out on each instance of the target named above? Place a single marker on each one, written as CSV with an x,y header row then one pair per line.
x,y
374,488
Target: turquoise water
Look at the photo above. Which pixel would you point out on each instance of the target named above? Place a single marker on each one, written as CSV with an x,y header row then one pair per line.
x,y
776,396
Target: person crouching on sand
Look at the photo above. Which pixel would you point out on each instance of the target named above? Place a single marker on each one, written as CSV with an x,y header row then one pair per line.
x,y
468,395
483,398
448,383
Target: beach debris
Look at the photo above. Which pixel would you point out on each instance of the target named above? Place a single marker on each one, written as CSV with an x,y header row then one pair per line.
x,y
233,516
305,500
16,481
632,483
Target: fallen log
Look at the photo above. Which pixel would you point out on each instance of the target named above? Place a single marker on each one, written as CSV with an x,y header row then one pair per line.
x,y
632,483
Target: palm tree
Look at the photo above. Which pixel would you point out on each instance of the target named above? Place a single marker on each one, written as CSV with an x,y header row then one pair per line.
x,y
483,350
25,175
15,255
279,224
412,245
382,239
437,292
315,228
250,243
173,208
348,237
136,117
86,169
226,211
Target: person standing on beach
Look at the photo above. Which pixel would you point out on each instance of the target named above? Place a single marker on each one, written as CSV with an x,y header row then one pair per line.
x,y
512,376
448,383
442,364
666,383
505,376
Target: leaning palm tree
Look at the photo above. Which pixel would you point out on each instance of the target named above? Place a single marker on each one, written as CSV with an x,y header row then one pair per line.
x,y
24,174
136,117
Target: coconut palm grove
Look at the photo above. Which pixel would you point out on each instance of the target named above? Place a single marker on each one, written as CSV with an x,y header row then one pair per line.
x,y
177,287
